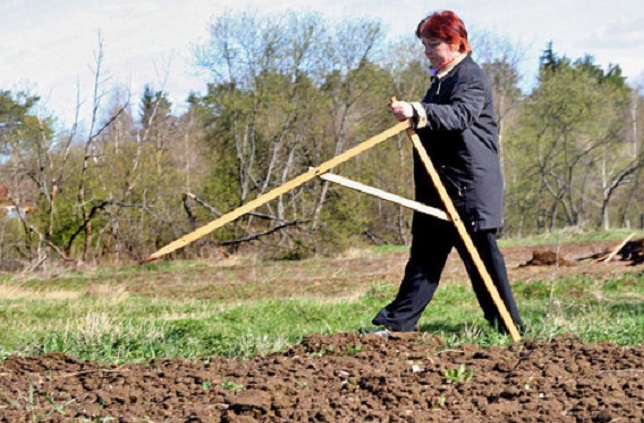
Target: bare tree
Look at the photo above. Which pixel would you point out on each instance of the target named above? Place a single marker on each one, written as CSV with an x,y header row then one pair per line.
x,y
96,128
350,50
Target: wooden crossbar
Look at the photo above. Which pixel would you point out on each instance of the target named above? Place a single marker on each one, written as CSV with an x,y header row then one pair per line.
x,y
384,195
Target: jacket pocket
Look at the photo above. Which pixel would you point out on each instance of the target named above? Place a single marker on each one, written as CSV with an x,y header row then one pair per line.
x,y
455,187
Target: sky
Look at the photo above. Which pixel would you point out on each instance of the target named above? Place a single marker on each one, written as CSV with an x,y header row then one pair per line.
x,y
48,47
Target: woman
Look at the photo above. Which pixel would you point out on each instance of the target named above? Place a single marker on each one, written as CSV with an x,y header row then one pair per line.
x,y
456,123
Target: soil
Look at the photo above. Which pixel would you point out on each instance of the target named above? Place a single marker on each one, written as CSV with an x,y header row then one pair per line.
x,y
348,377
341,378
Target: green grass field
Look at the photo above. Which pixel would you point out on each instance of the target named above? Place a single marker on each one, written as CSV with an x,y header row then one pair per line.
x,y
98,315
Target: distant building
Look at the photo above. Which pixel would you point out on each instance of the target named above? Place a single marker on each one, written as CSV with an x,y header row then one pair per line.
x,y
12,211
7,208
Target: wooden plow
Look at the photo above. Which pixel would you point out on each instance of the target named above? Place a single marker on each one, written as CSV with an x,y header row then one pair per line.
x,y
322,171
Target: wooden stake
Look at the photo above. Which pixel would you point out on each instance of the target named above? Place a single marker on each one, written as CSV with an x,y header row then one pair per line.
x,y
396,199
465,236
276,192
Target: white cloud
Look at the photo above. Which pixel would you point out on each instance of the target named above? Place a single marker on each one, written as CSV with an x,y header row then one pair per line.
x,y
50,44
619,34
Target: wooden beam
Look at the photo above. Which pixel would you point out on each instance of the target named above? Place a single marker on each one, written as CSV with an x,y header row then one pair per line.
x,y
276,192
384,195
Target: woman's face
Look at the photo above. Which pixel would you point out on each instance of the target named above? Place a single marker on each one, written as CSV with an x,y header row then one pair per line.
x,y
438,51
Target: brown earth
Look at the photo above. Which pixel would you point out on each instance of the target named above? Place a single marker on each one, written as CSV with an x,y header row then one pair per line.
x,y
347,377
342,378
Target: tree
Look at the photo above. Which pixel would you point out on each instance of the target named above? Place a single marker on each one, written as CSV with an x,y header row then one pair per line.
x,y
352,80
570,136
259,107
24,149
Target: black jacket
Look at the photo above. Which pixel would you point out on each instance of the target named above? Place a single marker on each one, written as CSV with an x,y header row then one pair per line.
x,y
460,134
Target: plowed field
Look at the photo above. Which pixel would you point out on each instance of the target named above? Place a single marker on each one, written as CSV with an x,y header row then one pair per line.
x,y
342,378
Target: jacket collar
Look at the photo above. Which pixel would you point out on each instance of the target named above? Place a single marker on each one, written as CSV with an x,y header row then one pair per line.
x,y
447,69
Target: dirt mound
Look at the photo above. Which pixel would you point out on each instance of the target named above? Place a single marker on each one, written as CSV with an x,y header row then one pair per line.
x,y
547,258
345,377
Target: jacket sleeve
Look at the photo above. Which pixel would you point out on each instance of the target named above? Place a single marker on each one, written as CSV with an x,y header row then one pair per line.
x,y
463,106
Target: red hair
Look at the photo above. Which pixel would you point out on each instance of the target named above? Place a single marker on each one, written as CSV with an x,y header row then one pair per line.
x,y
447,26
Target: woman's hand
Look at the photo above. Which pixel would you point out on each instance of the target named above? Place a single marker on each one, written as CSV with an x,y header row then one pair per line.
x,y
401,110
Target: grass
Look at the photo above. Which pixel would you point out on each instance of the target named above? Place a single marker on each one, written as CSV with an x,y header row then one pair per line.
x,y
123,315
458,375
572,234
549,238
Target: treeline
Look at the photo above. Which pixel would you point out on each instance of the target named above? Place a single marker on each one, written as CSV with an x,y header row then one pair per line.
x,y
290,93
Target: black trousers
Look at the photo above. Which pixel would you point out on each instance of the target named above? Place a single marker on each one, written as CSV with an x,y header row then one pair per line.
x,y
432,242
